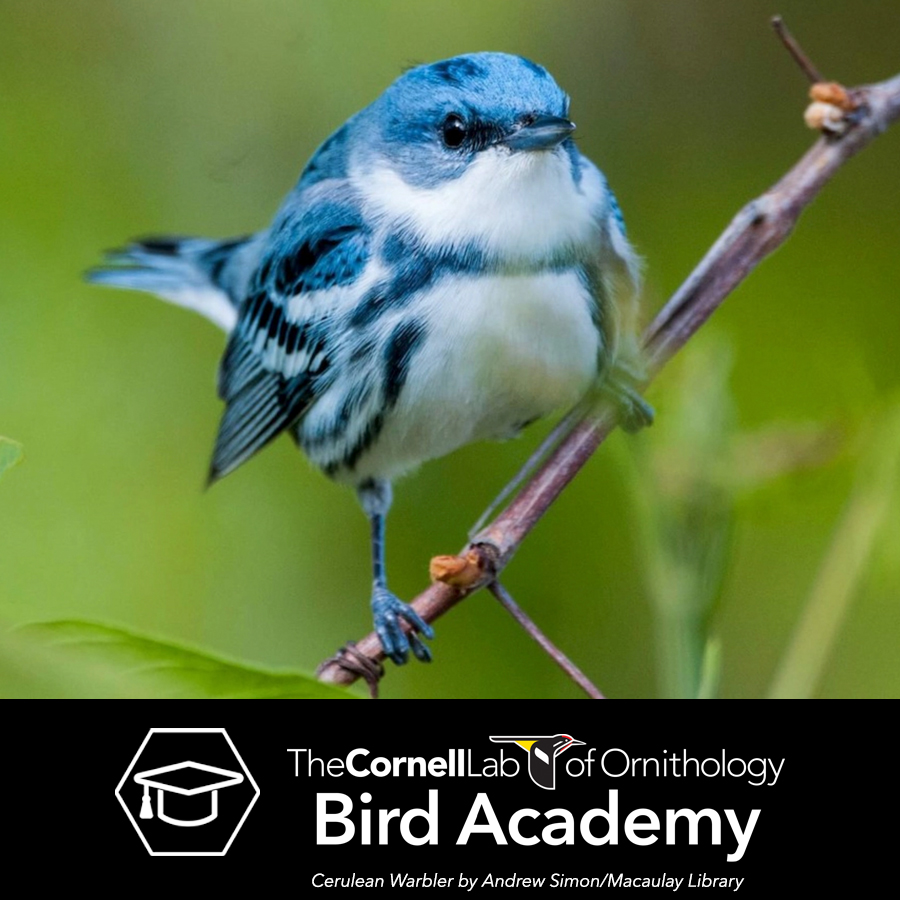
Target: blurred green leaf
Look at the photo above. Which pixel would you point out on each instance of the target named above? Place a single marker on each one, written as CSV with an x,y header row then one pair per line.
x,y
684,509
844,566
10,454
710,670
85,659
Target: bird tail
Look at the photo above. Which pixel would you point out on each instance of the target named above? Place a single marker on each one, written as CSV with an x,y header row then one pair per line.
x,y
207,276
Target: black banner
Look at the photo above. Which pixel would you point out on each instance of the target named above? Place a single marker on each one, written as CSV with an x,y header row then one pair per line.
x,y
355,796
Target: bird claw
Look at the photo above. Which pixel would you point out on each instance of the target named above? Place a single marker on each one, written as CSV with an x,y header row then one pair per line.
x,y
388,611
634,411
621,387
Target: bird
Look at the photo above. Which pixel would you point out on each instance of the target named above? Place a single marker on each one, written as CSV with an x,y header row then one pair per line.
x,y
447,269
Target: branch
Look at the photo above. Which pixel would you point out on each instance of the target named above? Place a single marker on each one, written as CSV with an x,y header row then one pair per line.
x,y
854,119
807,66
513,608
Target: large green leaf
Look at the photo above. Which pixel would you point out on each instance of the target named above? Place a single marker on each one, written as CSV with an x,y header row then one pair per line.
x,y
10,453
83,659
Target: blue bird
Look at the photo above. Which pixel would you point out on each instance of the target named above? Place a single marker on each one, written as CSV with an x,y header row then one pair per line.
x,y
443,272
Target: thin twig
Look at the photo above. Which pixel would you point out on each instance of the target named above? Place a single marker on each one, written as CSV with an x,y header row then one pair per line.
x,y
758,229
551,442
549,648
800,57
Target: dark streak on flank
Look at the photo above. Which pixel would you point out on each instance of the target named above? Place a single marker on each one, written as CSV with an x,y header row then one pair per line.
x,y
398,353
353,402
353,455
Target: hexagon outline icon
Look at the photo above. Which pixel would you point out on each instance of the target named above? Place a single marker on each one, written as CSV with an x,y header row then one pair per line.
x,y
131,766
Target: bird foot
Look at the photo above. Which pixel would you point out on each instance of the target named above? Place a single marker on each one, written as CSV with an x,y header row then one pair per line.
x,y
621,387
634,411
388,611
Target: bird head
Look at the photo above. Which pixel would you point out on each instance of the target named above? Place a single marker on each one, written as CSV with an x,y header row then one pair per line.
x,y
437,120
562,742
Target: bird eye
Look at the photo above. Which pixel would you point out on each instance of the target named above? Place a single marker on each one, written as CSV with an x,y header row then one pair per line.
x,y
453,131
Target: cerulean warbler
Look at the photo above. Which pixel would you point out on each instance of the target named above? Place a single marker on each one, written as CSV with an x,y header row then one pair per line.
x,y
442,273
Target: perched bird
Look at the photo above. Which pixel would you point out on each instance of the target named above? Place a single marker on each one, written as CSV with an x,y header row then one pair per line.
x,y
442,273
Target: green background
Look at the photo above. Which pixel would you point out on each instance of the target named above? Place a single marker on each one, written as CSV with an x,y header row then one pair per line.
x,y
767,484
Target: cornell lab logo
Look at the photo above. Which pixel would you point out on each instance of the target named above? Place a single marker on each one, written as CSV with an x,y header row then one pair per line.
x,y
542,751
187,792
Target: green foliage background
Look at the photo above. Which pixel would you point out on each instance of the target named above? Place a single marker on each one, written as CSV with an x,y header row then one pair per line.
x,y
768,483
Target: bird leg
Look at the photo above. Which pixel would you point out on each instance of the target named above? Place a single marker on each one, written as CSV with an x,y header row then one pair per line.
x,y
388,610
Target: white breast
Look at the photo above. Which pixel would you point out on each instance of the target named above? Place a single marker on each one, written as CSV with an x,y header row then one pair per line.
x,y
501,351
516,205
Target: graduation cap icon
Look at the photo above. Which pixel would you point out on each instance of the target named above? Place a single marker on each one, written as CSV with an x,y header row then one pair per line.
x,y
188,779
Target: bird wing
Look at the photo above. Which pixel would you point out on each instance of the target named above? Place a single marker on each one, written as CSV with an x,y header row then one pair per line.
x,y
278,357
618,256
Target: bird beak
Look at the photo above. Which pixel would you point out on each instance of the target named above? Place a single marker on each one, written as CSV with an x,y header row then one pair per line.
x,y
571,742
543,133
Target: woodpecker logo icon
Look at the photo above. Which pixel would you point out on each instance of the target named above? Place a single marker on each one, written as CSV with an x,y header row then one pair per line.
x,y
542,751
